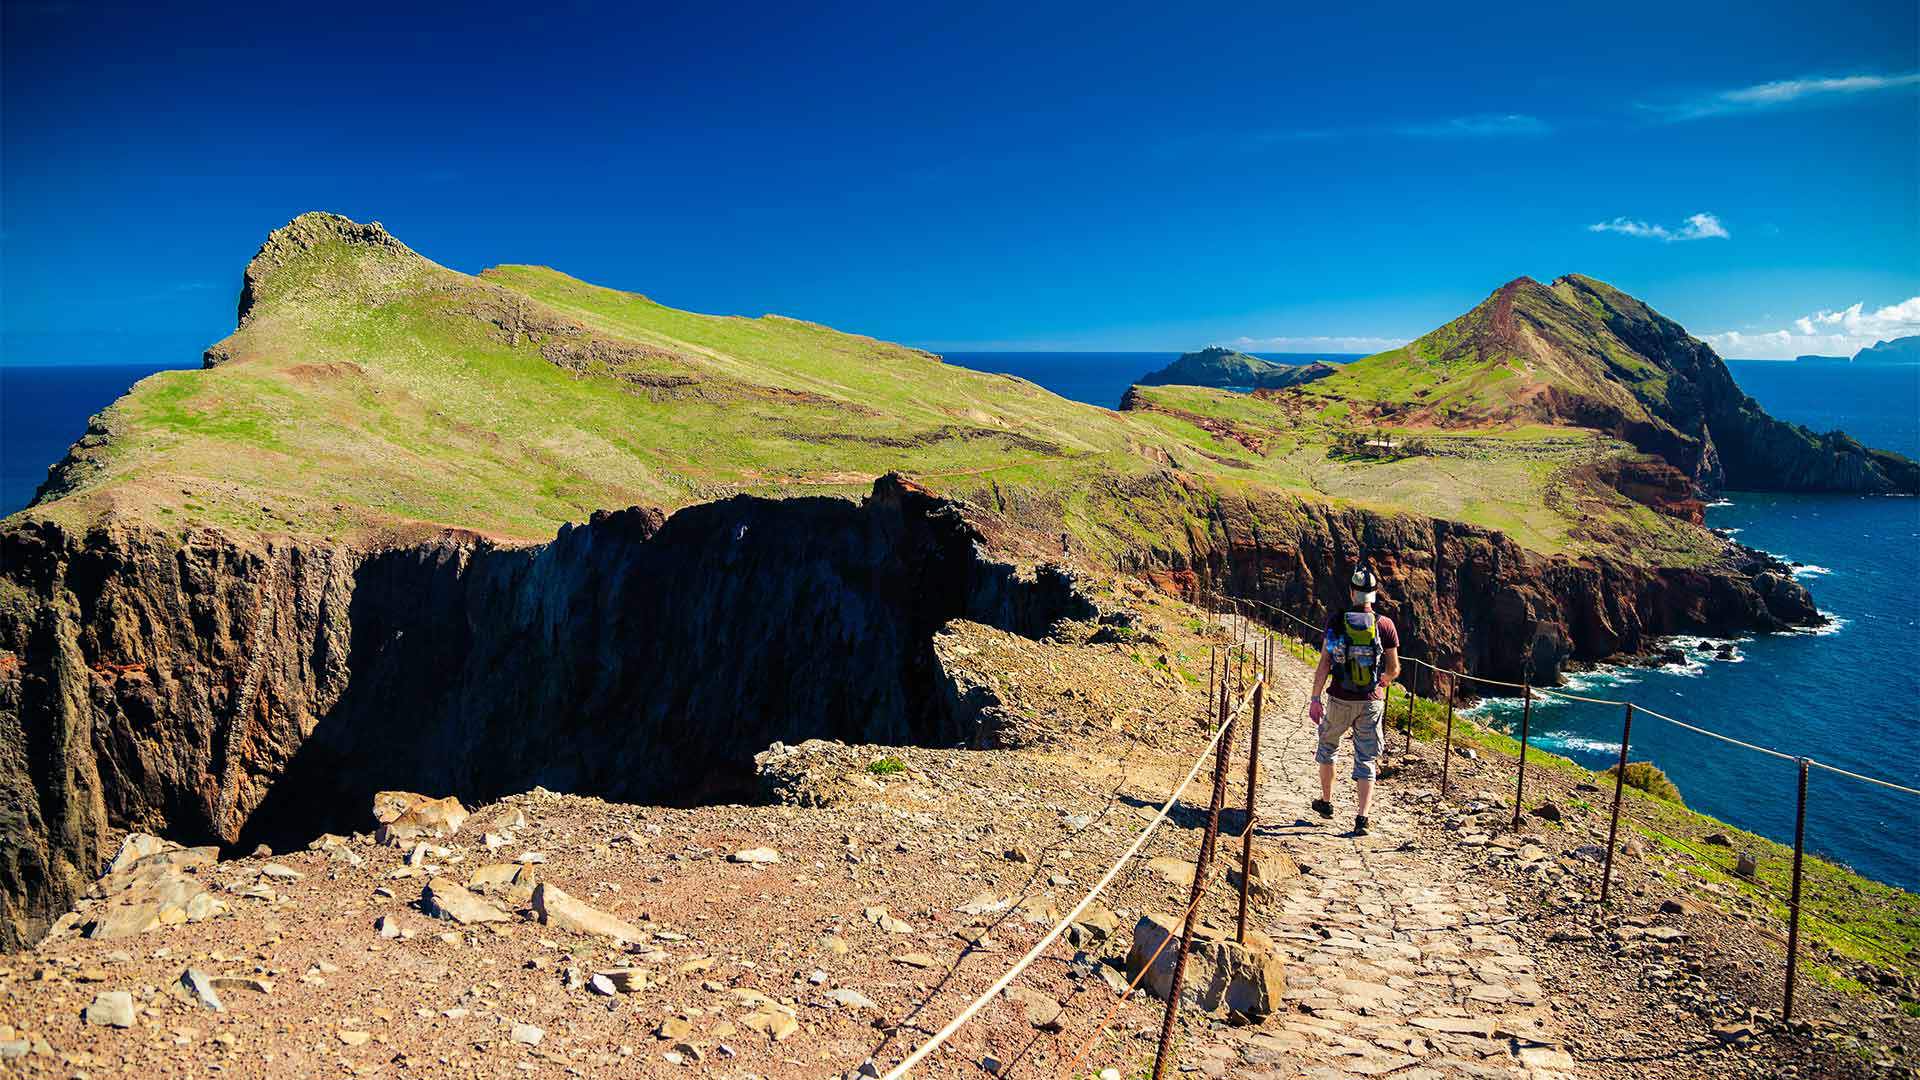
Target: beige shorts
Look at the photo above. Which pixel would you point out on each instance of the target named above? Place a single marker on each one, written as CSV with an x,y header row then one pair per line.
x,y
1364,719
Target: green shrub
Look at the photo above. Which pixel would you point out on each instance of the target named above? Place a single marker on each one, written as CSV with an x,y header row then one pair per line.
x,y
1647,776
887,766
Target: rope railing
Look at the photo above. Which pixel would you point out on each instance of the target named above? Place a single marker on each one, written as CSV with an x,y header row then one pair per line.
x,y
938,1038
1802,764
1641,709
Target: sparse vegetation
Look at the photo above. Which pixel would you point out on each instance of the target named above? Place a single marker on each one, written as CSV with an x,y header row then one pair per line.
x,y
1646,776
886,766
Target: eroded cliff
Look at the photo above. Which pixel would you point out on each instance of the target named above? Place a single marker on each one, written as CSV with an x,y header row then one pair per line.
x,y
216,690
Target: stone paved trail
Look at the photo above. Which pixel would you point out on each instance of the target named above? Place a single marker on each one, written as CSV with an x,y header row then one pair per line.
x,y
1397,961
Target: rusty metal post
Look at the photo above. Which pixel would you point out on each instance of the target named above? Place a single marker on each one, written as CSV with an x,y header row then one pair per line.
x,y
1408,747
1386,705
1253,782
1212,652
1526,721
1619,786
1446,751
1222,757
1793,904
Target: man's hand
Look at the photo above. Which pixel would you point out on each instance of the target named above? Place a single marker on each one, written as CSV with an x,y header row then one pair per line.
x,y
1316,709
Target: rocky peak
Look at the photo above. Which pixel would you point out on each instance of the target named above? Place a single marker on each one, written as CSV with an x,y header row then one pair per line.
x,y
297,241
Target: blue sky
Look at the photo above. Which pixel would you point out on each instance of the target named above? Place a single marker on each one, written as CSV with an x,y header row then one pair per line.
x,y
1073,176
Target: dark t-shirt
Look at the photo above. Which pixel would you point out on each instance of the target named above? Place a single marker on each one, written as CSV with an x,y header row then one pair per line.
x,y
1389,639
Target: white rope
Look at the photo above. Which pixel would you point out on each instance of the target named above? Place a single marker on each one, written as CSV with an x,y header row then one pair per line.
x,y
899,1071
1715,734
1868,779
1641,708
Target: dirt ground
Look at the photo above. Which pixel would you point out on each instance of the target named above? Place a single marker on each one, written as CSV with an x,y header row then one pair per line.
x,y
896,883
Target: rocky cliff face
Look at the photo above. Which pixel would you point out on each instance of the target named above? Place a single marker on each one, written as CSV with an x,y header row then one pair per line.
x,y
218,691
1714,431
1468,598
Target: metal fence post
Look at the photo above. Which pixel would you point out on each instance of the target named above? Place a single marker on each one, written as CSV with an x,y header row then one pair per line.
x,y
1446,751
1253,781
1222,756
1407,747
1793,917
1619,788
1386,703
1212,650
1526,721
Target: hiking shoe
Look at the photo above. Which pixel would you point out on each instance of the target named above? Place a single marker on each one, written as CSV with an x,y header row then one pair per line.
x,y
1323,807
1360,824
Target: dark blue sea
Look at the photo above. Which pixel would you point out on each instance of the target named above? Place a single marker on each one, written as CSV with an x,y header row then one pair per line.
x,y
1849,695
1099,378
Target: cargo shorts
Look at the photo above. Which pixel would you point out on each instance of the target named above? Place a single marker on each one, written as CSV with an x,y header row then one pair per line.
x,y
1364,719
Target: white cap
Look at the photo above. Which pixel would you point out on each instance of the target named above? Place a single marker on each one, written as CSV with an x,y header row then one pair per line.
x,y
1365,585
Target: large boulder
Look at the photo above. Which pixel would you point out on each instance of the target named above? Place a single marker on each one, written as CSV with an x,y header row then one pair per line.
x,y
555,908
404,817
149,884
1221,973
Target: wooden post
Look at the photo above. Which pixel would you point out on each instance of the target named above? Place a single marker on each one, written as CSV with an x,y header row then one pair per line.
x,y
1446,750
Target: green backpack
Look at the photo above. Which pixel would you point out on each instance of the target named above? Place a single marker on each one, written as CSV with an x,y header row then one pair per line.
x,y
1354,651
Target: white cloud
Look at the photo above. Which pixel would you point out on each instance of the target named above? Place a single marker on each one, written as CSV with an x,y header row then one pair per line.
x,y
1823,333
1481,126
1475,126
1815,90
1697,227
1328,343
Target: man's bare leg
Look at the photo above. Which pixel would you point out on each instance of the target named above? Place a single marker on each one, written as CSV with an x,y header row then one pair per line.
x,y
1326,783
1363,790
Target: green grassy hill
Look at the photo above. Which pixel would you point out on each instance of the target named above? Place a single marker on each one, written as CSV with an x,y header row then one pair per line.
x,y
373,395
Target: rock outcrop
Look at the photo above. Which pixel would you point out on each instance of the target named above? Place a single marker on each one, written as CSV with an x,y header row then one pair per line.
x,y
219,690
1465,597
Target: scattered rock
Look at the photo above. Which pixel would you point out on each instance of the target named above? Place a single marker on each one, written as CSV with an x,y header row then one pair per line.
x,y
1042,1011
201,987
1717,840
387,927
113,1008
556,908
526,1034
1547,811
626,980
1746,865
880,917
405,817
1173,871
848,998
760,856
445,899
1221,973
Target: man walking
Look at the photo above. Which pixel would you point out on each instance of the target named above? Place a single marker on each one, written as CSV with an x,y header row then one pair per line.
x,y
1359,659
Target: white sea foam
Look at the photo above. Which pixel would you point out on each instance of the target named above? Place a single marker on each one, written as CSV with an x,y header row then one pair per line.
x,y
1833,625
1735,531
1578,743
1810,570
1719,502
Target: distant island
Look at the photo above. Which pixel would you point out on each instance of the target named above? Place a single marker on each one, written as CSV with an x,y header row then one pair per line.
x,y
1902,350
1221,368
1905,350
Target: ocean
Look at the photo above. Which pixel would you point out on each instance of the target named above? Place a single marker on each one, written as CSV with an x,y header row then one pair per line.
x,y
1848,695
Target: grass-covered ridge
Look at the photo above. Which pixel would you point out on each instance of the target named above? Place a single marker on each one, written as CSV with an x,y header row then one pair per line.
x,y
369,393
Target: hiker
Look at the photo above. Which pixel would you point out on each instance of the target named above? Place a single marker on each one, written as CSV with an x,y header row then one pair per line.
x,y
1359,658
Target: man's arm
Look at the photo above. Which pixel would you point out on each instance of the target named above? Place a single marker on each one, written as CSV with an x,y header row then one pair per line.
x,y
1321,674
1389,667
